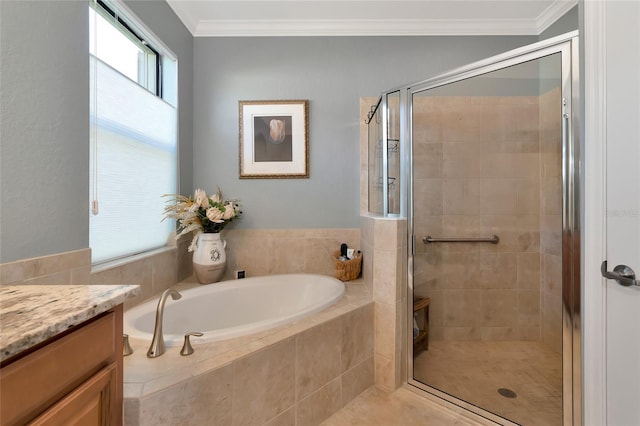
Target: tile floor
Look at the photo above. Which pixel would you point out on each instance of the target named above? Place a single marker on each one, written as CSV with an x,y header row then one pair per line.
x,y
475,370
375,407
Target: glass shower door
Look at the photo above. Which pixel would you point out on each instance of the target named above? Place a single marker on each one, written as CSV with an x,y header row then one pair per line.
x,y
487,219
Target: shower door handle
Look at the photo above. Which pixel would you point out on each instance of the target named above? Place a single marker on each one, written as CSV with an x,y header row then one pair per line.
x,y
621,273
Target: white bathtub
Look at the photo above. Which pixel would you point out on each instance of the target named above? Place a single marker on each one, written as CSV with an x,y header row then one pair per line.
x,y
235,308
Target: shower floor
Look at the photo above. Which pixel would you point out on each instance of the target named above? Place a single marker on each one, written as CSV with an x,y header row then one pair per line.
x,y
474,371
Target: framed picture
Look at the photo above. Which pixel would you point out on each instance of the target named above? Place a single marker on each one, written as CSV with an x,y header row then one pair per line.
x,y
274,139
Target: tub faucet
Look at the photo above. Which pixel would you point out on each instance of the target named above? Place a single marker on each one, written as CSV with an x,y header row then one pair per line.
x,y
157,344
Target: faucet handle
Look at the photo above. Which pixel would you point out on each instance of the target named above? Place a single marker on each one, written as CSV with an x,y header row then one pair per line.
x,y
187,349
126,347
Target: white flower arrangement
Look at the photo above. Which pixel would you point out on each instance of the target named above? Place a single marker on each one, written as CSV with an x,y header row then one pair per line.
x,y
201,213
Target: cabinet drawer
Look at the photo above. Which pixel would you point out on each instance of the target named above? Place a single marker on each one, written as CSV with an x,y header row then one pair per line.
x,y
31,384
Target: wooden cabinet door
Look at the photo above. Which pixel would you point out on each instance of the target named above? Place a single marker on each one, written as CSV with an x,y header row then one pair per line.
x,y
88,405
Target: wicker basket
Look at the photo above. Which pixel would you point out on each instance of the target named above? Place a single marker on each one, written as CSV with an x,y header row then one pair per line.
x,y
347,270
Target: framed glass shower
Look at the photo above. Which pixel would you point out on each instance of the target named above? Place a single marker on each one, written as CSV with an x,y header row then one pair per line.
x,y
560,55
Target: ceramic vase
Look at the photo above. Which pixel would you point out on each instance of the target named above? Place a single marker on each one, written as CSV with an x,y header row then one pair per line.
x,y
209,258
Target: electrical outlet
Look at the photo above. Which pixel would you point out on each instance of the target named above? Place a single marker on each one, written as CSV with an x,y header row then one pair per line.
x,y
240,274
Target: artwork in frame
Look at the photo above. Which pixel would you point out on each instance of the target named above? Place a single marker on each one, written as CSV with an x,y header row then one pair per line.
x,y
274,139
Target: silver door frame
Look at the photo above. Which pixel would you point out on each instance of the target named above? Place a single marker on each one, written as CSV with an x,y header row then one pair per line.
x,y
567,45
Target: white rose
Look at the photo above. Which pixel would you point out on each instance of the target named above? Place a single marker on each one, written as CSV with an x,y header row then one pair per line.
x,y
214,215
229,212
215,198
200,197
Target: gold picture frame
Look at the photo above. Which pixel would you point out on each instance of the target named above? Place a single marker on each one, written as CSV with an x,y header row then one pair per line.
x,y
274,139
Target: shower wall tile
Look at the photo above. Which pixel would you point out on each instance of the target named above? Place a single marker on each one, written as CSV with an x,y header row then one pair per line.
x,y
498,196
499,165
528,266
462,333
529,308
491,184
429,156
499,308
498,271
528,196
499,333
427,127
427,196
527,119
460,196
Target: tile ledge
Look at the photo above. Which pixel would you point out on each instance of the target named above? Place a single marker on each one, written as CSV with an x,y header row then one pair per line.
x,y
130,259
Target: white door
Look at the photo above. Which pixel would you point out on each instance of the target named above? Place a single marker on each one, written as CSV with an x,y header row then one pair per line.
x,y
622,67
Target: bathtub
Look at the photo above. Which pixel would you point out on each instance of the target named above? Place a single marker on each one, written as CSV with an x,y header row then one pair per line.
x,y
235,308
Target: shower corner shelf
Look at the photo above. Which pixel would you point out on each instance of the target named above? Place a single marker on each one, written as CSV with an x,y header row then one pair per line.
x,y
422,340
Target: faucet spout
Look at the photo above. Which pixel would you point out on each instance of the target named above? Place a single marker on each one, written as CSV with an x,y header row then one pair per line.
x,y
157,343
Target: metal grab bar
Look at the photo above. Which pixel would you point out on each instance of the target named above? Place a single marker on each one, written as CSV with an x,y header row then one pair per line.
x,y
494,239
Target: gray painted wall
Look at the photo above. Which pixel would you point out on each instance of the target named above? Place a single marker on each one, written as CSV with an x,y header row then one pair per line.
x,y
567,23
333,73
44,109
44,124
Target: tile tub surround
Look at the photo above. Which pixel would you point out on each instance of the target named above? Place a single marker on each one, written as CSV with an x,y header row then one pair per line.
x,y
285,251
385,275
32,314
154,271
299,373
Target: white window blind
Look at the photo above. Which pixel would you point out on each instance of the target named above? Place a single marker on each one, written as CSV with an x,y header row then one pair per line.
x,y
133,163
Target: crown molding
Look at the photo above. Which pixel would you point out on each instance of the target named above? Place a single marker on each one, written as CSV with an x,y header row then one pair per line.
x,y
555,11
367,27
361,27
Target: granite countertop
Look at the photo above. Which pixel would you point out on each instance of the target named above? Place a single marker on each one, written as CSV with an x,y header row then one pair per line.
x,y
31,314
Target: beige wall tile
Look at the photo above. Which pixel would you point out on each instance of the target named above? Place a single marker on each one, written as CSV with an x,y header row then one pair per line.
x,y
462,308
498,196
205,399
499,165
528,271
385,265
386,235
498,271
427,194
57,278
12,272
461,333
460,196
385,329
320,405
263,384
81,275
499,333
500,308
357,380
427,159
357,336
528,196
529,308
318,357
385,373
288,418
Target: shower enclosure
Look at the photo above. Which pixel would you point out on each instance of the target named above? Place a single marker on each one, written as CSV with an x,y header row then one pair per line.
x,y
487,158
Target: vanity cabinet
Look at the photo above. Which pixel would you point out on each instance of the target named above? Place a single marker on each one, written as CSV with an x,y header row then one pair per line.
x,y
72,379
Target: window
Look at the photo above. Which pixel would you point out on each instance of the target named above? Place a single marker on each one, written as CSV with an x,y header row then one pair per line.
x,y
133,135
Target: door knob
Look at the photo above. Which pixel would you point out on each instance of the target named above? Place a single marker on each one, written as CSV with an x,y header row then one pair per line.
x,y
621,273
